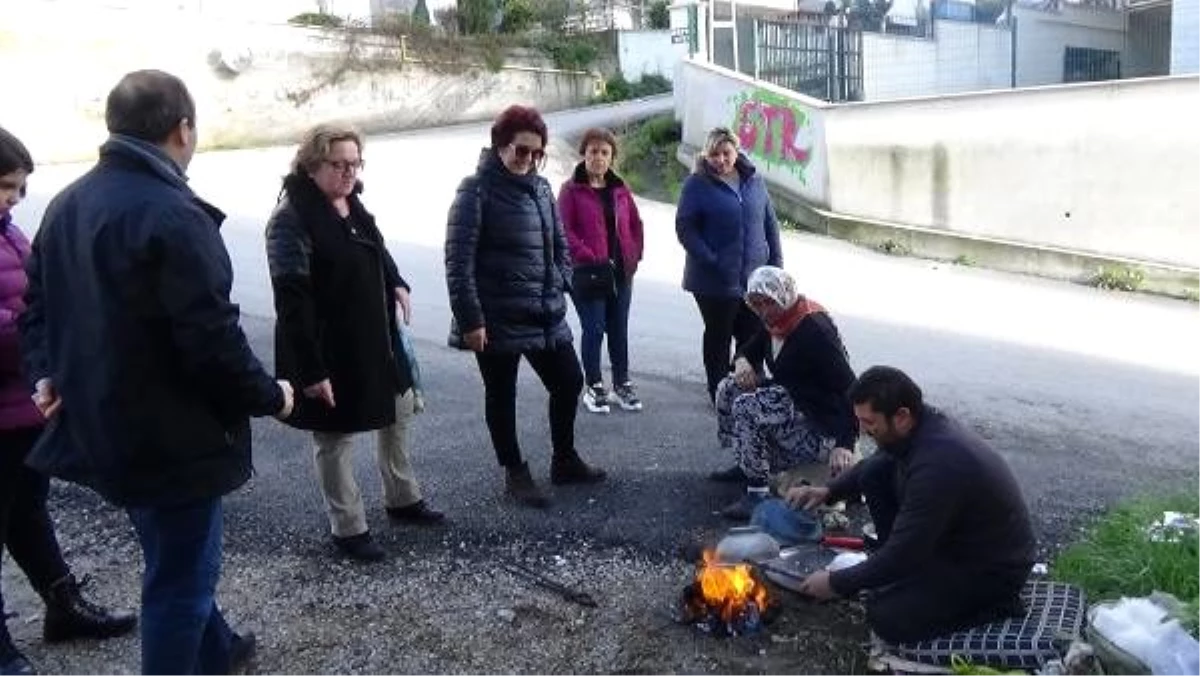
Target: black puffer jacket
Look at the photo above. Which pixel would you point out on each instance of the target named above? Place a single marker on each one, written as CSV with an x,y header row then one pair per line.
x,y
334,285
507,262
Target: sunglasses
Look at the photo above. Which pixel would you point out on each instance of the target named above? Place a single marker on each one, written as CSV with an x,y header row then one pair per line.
x,y
522,152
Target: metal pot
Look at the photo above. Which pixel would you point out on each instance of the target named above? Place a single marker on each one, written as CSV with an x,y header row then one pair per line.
x,y
746,543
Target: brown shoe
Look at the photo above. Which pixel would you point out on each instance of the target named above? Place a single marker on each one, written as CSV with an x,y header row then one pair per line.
x,y
569,468
519,485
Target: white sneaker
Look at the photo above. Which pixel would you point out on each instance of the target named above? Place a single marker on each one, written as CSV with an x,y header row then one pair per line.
x,y
595,397
627,396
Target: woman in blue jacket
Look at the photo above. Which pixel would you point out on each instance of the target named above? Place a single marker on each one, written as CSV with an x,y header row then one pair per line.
x,y
726,223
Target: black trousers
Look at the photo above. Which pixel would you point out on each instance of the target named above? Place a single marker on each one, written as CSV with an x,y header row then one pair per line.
x,y
943,596
725,319
559,372
25,526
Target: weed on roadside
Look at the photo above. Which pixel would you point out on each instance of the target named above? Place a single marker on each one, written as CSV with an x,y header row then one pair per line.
x,y
617,88
647,158
1118,278
1117,557
893,248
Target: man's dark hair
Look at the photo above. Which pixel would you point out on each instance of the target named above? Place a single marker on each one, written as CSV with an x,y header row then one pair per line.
x,y
148,105
13,154
887,390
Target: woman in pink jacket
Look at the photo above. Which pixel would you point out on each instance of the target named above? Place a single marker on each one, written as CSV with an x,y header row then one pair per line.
x,y
604,232
26,530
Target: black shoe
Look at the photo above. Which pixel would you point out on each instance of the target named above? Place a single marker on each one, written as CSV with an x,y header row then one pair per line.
x,y
70,616
241,650
733,475
417,513
11,659
359,547
519,485
743,508
568,468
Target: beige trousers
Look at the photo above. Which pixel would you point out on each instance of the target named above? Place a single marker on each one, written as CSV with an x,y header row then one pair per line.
x,y
334,459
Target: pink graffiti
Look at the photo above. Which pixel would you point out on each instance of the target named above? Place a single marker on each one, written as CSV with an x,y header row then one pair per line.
x,y
759,119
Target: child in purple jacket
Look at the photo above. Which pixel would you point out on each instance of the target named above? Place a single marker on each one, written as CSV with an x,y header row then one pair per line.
x,y
604,232
26,530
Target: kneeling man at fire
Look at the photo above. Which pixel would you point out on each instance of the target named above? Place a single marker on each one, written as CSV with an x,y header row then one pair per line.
x,y
955,540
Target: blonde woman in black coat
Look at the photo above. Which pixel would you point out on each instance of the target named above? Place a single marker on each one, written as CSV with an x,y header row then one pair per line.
x,y
337,294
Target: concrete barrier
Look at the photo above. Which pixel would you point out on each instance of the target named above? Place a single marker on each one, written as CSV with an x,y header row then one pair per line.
x,y
1056,180
781,130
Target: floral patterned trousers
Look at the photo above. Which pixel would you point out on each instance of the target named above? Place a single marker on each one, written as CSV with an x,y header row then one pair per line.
x,y
765,431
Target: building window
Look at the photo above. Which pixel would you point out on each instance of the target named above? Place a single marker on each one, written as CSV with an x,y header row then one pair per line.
x,y
1082,64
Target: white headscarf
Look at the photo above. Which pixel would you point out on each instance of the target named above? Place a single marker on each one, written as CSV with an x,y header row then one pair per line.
x,y
774,283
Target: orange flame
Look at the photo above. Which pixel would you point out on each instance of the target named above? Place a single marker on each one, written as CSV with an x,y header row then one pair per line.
x,y
729,587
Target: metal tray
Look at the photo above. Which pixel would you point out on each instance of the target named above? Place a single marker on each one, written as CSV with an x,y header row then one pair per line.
x,y
793,564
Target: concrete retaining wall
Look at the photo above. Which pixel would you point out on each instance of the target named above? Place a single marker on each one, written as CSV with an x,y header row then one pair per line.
x,y
1099,169
780,130
253,83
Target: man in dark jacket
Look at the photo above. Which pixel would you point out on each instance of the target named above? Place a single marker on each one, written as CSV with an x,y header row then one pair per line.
x,y
955,540
141,367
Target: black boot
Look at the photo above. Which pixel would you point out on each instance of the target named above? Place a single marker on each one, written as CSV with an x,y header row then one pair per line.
x,y
568,468
242,650
11,659
519,485
69,615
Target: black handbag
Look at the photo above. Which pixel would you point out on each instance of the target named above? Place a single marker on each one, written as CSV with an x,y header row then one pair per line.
x,y
594,281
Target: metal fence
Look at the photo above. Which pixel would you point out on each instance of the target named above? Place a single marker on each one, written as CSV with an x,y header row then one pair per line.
x,y
948,47
821,61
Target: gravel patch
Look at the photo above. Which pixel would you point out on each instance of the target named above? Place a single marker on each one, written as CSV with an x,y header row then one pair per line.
x,y
449,607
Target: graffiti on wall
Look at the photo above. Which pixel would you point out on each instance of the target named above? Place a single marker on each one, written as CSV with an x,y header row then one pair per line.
x,y
774,130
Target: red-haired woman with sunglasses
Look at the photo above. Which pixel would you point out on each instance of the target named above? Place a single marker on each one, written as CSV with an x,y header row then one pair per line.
x,y
507,266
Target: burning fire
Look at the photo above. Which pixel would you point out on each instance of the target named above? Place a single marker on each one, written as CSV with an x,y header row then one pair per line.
x,y
725,599
728,588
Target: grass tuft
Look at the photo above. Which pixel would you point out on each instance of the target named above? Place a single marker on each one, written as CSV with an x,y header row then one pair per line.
x,y
1117,557
647,158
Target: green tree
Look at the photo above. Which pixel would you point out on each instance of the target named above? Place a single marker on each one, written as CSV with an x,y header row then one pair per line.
x,y
420,14
659,15
518,16
551,14
475,16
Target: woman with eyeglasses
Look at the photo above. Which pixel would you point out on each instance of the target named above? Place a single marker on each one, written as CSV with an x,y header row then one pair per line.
x,y
726,223
338,298
507,271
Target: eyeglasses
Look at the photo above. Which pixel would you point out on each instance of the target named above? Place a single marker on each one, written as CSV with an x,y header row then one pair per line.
x,y
522,152
345,166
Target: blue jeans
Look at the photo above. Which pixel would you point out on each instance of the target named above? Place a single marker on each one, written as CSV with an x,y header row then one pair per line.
x,y
183,631
605,315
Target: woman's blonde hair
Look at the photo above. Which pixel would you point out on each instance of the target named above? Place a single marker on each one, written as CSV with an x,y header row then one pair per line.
x,y
716,138
316,143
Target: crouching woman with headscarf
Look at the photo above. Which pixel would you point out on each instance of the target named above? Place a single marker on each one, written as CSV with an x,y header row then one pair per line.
x,y
802,413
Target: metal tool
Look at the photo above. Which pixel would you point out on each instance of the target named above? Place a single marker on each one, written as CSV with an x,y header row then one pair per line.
x,y
572,595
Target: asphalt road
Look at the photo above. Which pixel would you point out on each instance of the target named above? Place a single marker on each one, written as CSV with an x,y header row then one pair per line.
x,y
1092,396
